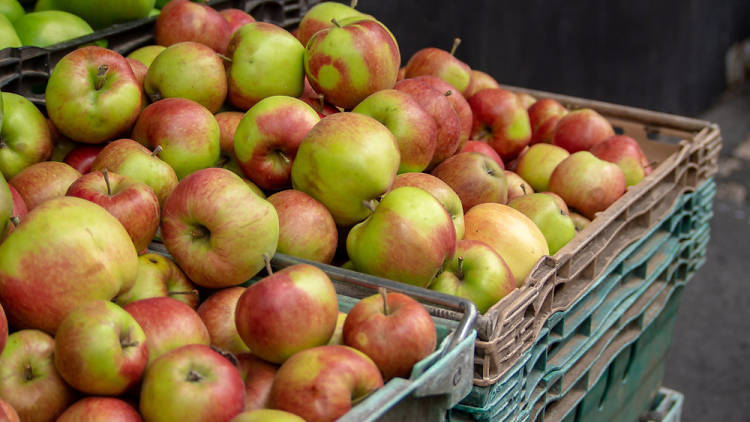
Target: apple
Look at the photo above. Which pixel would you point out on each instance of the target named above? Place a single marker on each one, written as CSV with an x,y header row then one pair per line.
x,y
25,138
188,70
258,376
106,262
581,129
186,131
29,381
7,412
217,229
12,9
291,310
3,329
103,13
319,17
350,60
92,95
440,63
479,81
586,183
318,103
393,330
509,233
306,227
7,208
415,130
266,60
182,20
19,206
441,191
526,100
476,272
501,121
267,139
484,148
43,181
543,116
325,158
8,35
228,122
168,324
192,383
50,27
440,108
559,201
580,222
217,313
100,349
322,383
236,18
537,164
146,54
415,221
82,157
627,154
553,222
267,415
338,334
475,178
129,158
100,409
61,145
517,187
133,203
459,103
159,276
139,71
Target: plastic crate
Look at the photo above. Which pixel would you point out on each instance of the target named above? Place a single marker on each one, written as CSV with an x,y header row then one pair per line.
x,y
667,407
25,70
662,261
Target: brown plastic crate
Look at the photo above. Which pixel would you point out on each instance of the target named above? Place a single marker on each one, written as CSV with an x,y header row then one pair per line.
x,y
685,154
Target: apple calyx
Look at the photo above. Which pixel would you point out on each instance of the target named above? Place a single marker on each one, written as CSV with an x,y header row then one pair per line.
x,y
460,271
127,342
101,76
384,294
193,376
15,220
448,93
28,372
335,23
200,232
456,43
156,151
106,182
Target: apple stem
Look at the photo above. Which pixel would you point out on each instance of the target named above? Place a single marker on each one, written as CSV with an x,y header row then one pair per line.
x,y
106,181
335,22
267,260
456,43
127,343
448,93
156,151
368,204
384,294
322,99
193,292
460,272
15,220
224,57
28,373
193,376
101,75
523,188
284,158
353,4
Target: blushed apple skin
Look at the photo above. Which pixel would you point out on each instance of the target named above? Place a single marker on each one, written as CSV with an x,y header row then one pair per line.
x,y
320,384
218,312
8,413
168,324
3,329
479,81
517,187
459,103
236,18
441,191
475,178
100,409
228,122
537,164
351,148
581,129
484,148
588,184
25,135
319,17
510,233
100,349
267,415
182,20
552,221
627,154
396,341
159,276
414,129
292,310
440,63
348,63
106,262
417,222
258,376
306,227
217,229
501,121
482,276
82,157
268,136
543,116
78,109
43,181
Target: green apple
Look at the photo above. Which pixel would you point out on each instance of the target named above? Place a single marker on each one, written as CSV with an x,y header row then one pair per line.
x,y
12,9
554,223
24,138
49,27
8,35
537,164
441,191
159,276
100,349
476,272
146,54
266,415
319,17
42,5
188,70
414,220
579,221
104,13
345,161
266,60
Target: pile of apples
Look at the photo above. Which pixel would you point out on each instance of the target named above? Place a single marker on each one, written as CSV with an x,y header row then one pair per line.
x,y
396,172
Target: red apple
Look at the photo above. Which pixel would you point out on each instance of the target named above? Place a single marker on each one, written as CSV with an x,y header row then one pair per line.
x,y
19,208
100,409
236,18
182,20
440,190
581,129
168,325
306,227
217,313
440,63
476,179
516,185
526,100
8,413
82,157
394,330
292,310
484,148
627,154
479,81
139,70
133,203
228,122
42,181
3,329
322,383
258,376
543,116
318,103
459,103
320,15
501,121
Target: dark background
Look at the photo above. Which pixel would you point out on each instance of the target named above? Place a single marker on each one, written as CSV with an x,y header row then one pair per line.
x,y
665,55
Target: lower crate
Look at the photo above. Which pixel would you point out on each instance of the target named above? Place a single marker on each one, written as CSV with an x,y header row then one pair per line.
x,y
667,407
